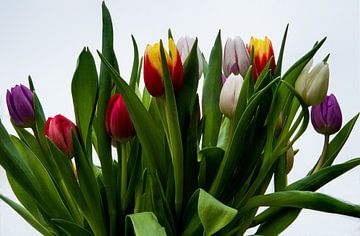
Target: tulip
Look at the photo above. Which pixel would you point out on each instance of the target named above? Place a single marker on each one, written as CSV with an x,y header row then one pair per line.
x,y
313,84
153,71
236,57
184,46
59,130
326,117
21,106
263,52
117,120
230,94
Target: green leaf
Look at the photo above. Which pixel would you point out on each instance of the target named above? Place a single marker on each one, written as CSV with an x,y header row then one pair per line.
x,y
173,127
277,71
339,140
135,68
143,224
84,88
89,188
210,159
279,223
309,183
26,216
303,199
211,95
50,197
70,228
213,214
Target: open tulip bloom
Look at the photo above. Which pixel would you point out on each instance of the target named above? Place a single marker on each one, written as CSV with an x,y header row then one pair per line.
x,y
174,172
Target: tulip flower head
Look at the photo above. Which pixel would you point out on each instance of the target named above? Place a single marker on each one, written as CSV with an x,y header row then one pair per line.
x,y
21,106
153,72
236,57
263,52
184,46
326,117
118,122
312,84
230,94
59,130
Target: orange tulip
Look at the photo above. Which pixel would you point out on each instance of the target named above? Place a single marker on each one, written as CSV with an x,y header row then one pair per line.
x,y
153,72
263,52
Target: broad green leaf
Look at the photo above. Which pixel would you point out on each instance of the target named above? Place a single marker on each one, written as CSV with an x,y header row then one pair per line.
x,y
279,223
27,216
84,88
103,139
70,228
174,137
303,199
213,214
143,224
211,96
309,183
210,159
50,197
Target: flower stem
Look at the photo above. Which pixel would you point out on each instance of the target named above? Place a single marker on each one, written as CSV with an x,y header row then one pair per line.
x,y
123,186
322,158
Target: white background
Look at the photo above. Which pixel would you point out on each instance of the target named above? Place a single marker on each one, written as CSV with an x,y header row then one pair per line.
x,y
44,38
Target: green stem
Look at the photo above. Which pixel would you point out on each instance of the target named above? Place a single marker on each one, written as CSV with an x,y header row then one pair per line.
x,y
322,158
123,186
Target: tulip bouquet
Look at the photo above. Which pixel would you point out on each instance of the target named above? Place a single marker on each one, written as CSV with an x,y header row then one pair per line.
x,y
168,167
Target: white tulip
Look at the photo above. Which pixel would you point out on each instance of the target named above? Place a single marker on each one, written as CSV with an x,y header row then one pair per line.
x,y
230,94
184,46
236,57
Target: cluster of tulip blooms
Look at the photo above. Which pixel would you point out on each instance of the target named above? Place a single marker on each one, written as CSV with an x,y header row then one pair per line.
x,y
177,172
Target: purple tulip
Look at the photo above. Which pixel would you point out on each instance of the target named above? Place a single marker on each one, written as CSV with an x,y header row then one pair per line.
x,y
21,106
326,117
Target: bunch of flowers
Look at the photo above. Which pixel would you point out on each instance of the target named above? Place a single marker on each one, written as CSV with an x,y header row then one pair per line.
x,y
178,169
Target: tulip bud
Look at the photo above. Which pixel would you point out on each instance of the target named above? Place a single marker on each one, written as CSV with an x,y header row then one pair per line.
x,y
279,124
59,130
313,84
289,159
118,123
21,106
153,72
236,57
184,46
263,52
230,94
326,117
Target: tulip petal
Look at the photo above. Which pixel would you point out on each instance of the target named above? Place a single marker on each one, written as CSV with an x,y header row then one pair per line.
x,y
10,104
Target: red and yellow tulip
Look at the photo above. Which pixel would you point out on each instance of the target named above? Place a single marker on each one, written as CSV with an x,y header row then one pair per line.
x,y
153,72
263,52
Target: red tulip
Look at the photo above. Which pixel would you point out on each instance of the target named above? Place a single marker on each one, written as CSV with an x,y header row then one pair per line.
x,y
58,129
153,72
263,52
118,122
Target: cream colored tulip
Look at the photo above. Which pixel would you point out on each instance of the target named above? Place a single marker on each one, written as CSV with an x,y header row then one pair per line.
x,y
230,94
312,84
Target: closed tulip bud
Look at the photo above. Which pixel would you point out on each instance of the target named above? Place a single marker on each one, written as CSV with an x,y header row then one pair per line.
x,y
263,52
289,159
279,124
153,72
326,117
59,130
184,46
21,106
118,123
230,94
236,57
312,84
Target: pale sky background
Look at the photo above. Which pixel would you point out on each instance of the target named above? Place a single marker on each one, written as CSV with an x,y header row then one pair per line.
x,y
44,39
